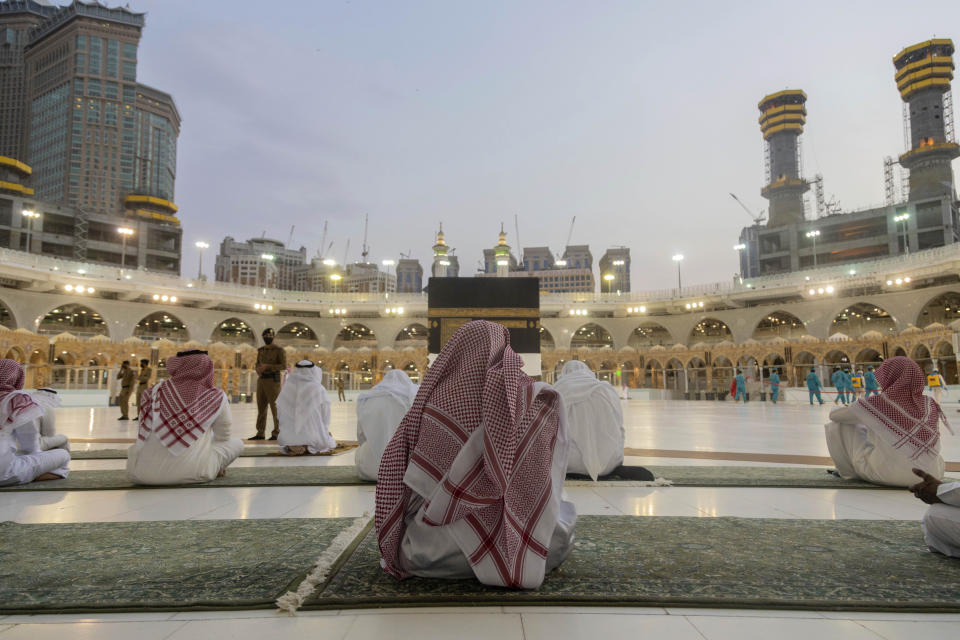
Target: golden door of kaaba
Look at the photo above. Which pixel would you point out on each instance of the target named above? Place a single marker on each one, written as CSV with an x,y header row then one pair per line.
x,y
511,302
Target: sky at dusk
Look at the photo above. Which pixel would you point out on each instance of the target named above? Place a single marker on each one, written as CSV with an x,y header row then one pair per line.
x,y
636,117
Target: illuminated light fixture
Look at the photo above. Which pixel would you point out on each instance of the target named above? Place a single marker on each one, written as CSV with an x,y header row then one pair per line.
x,y
90,289
189,284
128,277
829,288
267,256
125,231
388,263
329,262
335,276
446,263
399,309
561,263
68,287
173,298
812,291
852,272
739,247
256,306
200,244
677,257
688,305
907,279
700,304
270,307
889,282
502,263
807,278
899,280
820,290
164,298
156,296
608,277
81,271
572,311
643,309
618,263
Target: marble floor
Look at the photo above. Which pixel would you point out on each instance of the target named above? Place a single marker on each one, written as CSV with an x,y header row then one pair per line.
x,y
675,426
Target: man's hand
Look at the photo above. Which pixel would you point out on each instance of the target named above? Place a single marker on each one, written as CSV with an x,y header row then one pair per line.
x,y
925,490
261,368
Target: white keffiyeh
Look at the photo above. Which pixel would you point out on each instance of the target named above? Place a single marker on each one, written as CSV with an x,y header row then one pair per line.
x,y
303,409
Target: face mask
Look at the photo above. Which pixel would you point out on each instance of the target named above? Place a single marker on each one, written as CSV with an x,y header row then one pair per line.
x,y
267,340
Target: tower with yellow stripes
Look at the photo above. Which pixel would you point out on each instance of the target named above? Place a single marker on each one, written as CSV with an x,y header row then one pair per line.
x,y
923,75
782,116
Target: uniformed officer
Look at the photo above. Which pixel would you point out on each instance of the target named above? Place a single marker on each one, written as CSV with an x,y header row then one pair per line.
x,y
143,380
271,363
126,378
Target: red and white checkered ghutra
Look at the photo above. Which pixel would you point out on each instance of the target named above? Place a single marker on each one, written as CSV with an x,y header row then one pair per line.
x,y
478,442
902,415
181,409
17,407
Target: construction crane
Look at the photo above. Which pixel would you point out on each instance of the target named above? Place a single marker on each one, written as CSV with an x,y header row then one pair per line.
x,y
757,219
290,237
365,250
516,226
561,262
346,252
323,240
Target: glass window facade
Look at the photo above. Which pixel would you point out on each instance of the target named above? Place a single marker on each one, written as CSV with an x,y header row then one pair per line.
x,y
50,114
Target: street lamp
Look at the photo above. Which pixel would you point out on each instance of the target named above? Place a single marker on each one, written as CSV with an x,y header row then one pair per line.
x,y
388,263
903,217
336,280
813,235
269,258
609,278
125,232
740,248
200,244
678,258
30,215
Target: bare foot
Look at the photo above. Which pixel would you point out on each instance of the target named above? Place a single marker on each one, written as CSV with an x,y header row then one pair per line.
x,y
47,476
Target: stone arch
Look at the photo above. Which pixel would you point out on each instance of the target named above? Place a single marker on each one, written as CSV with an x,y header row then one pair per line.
x,y
803,363
836,358
650,334
607,371
77,319
900,351
591,336
921,354
675,375
710,331
16,353
856,319
413,335
233,331
297,335
546,339
355,336
412,370
723,371
779,324
697,375
866,357
161,325
943,308
653,374
773,362
6,316
629,372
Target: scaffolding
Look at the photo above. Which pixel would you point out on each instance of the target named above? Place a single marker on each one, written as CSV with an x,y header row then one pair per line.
x,y
799,158
767,178
889,183
948,116
907,144
904,184
81,225
818,191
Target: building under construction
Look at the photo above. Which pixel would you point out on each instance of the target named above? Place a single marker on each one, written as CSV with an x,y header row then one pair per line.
x,y
921,209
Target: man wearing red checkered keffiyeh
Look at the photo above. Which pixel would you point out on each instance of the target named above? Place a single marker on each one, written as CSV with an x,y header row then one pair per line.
x,y
22,458
471,484
880,439
184,432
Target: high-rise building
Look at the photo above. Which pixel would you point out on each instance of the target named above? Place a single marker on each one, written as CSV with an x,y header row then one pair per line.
x,y
366,277
259,262
783,115
409,276
923,75
537,258
616,262
441,259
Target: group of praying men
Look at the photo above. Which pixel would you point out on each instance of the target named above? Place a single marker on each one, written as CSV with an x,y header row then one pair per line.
x,y
470,465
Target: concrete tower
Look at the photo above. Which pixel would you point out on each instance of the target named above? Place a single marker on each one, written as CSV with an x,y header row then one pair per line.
x,y
783,115
441,262
923,76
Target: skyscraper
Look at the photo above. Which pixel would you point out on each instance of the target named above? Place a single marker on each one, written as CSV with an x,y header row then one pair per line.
x,y
616,262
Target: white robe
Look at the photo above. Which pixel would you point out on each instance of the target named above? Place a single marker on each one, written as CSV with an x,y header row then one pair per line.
x,y
47,424
303,409
22,460
595,419
432,552
379,412
151,462
941,522
858,451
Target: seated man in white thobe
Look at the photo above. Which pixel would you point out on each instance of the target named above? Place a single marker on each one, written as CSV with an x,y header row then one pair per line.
x,y
184,434
47,423
941,522
379,412
594,418
471,483
881,439
303,409
22,459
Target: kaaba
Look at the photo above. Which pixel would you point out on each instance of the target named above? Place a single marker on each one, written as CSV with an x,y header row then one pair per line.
x,y
512,302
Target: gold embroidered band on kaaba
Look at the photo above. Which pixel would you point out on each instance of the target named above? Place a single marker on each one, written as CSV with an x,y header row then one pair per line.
x,y
486,312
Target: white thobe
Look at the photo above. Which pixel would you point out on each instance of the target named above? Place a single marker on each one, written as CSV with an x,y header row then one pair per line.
x,y
941,522
595,419
151,462
432,552
46,426
22,460
379,413
858,452
304,412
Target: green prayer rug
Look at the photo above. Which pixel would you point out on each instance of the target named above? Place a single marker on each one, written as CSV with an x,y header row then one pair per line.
x,y
143,566
334,475
253,451
697,562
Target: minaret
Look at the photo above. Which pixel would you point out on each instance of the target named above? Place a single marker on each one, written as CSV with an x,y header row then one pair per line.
x,y
923,76
501,254
440,260
783,115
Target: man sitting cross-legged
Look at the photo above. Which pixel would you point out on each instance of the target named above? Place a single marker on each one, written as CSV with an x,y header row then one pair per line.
x,y
303,409
941,522
379,412
22,458
185,423
471,483
882,438
594,418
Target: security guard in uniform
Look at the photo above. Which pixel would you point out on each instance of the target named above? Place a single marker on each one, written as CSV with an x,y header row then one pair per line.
x,y
126,378
271,363
143,380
